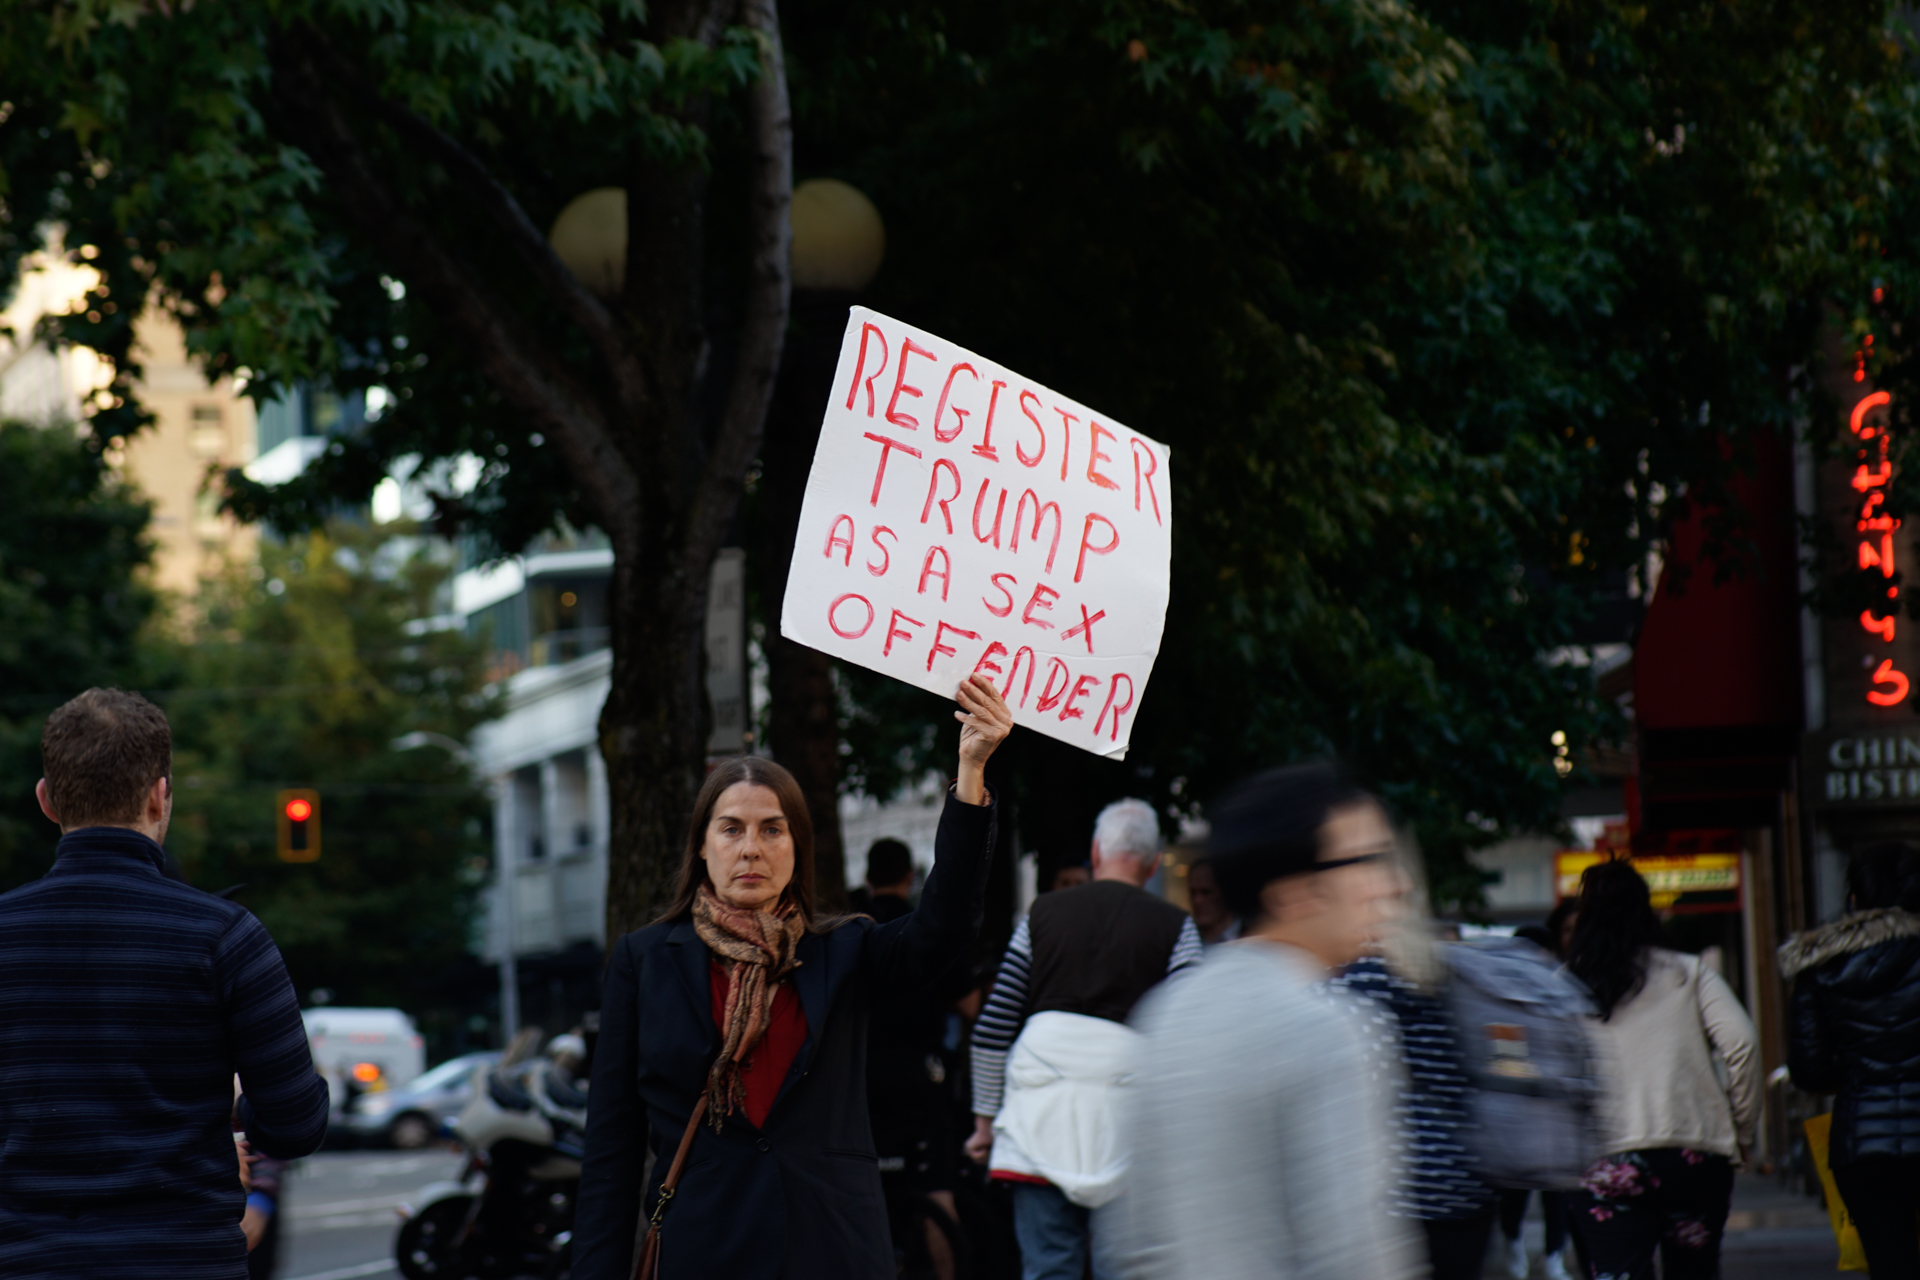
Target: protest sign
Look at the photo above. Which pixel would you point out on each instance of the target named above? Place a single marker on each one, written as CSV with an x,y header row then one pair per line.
x,y
962,518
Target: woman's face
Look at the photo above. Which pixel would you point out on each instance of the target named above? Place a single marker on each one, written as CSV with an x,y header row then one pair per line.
x,y
1209,908
749,847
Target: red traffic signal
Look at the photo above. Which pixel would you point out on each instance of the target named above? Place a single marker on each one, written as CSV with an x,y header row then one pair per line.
x,y
298,820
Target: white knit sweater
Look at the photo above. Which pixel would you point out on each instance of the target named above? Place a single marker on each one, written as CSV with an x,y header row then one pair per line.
x,y
1258,1130
1657,1059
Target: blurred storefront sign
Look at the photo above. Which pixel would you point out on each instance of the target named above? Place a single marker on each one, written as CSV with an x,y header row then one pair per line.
x,y
1771,740
1859,760
1856,767
1685,883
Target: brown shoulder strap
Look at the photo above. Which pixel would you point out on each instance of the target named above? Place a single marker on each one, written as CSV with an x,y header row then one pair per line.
x,y
672,1179
646,1264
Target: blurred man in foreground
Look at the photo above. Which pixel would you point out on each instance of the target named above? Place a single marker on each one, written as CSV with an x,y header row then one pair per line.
x,y
128,1002
1259,1138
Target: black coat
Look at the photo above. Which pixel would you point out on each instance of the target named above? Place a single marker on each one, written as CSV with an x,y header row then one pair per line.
x,y
906,1029
1855,1029
800,1198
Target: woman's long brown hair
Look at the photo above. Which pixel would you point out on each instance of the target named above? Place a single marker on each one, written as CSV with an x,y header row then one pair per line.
x,y
760,772
1616,928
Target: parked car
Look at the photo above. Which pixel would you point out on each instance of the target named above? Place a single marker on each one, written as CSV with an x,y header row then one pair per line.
x,y
410,1116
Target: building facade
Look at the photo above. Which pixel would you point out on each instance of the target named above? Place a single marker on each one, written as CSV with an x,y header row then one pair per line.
x,y
542,616
200,428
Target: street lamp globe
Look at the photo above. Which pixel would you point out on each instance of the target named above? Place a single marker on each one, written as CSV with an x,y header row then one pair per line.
x,y
838,238
590,236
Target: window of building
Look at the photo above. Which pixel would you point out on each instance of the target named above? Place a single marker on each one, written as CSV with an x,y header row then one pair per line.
x,y
567,618
208,435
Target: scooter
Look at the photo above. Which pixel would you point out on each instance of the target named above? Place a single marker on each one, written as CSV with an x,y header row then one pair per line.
x,y
510,1211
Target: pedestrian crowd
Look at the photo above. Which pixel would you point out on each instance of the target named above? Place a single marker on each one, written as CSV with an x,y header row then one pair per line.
x,y
1304,1077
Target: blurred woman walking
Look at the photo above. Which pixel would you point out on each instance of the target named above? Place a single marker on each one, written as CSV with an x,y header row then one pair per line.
x,y
1672,1133
1553,937
1417,1046
1855,1033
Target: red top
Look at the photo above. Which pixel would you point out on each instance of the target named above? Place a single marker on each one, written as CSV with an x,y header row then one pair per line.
x,y
769,1061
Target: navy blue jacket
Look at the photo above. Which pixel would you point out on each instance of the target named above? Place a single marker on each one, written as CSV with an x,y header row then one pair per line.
x,y
800,1198
128,1001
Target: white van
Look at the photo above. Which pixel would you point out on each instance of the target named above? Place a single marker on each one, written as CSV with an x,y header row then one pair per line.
x,y
375,1049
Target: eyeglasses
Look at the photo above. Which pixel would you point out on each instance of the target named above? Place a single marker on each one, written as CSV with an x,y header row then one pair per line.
x,y
1332,864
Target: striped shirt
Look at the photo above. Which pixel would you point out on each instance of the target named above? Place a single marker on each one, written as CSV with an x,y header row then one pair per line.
x,y
1436,1177
1006,1010
128,1002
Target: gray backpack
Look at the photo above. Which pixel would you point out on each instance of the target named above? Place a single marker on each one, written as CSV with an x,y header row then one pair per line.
x,y
1521,1020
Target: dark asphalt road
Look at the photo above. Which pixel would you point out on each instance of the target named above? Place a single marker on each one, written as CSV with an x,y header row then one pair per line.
x,y
342,1220
1772,1234
341,1214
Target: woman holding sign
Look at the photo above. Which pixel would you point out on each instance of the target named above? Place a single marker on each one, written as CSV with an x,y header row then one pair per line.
x,y
733,1038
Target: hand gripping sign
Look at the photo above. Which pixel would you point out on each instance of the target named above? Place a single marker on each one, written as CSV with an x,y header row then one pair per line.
x,y
961,518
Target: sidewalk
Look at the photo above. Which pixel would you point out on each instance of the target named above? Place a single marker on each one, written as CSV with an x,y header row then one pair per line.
x,y
1772,1234
1776,1234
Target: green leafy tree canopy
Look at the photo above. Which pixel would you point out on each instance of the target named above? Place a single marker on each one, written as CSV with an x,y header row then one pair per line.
x,y
1447,312
358,192
73,606
306,668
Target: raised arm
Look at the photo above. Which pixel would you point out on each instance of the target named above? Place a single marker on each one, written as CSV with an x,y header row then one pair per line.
x,y
919,947
985,721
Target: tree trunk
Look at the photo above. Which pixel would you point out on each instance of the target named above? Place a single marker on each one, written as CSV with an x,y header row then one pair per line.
x,y
805,729
653,729
657,438
804,720
653,726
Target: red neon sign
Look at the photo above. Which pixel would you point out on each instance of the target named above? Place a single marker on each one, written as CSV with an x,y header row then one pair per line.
x,y
1867,405
1897,683
1888,686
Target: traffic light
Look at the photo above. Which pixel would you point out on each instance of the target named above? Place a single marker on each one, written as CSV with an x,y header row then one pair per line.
x,y
298,817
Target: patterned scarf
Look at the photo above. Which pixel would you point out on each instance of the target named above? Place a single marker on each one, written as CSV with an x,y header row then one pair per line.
x,y
758,949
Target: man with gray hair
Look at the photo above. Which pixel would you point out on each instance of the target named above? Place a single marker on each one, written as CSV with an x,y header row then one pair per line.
x,y
1049,1045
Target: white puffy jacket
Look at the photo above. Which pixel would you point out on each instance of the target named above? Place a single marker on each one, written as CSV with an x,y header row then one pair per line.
x,y
1061,1116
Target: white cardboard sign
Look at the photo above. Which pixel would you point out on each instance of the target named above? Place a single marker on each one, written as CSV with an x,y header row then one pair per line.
x,y
962,518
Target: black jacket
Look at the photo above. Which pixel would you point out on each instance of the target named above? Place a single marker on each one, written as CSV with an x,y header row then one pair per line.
x,y
800,1198
1855,1029
904,1029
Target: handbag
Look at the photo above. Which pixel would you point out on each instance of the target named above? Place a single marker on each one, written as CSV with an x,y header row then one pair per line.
x,y
1852,1256
647,1265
